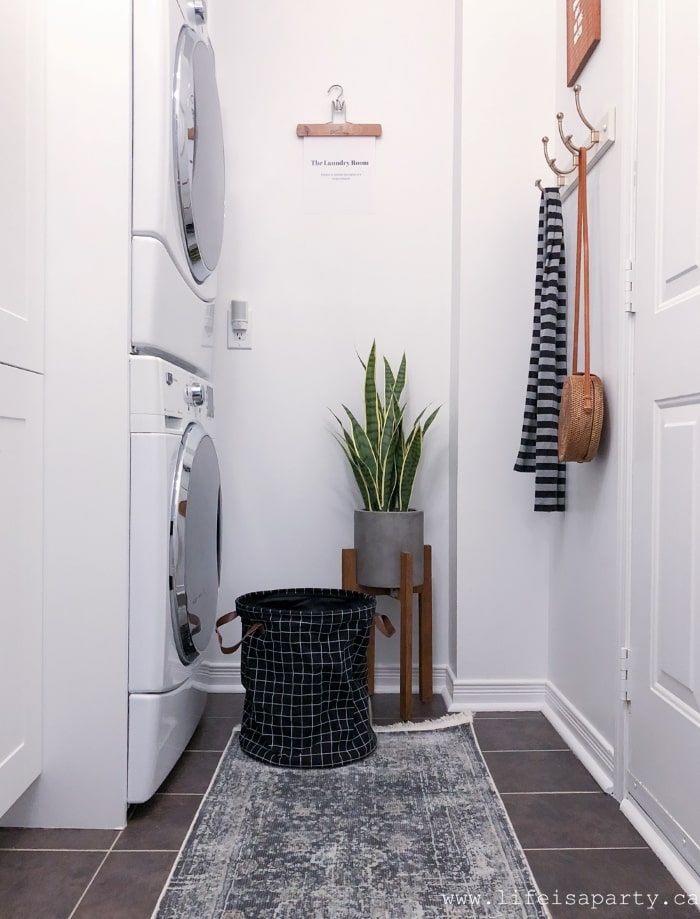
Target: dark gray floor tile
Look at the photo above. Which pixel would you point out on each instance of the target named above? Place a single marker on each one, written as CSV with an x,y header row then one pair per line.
x,y
44,885
480,715
161,823
385,708
225,705
191,774
517,734
538,771
543,821
30,838
610,874
127,886
212,734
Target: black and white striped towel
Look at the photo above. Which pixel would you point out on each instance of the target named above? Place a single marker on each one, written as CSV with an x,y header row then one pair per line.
x,y
538,442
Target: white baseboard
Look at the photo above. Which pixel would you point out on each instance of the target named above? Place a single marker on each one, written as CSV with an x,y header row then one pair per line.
x,y
587,743
386,679
660,845
221,676
594,751
494,695
226,677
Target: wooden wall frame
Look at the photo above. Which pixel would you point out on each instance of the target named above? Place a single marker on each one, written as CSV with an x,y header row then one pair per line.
x,y
582,35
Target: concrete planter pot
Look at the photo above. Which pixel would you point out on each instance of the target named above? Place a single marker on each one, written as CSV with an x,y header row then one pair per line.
x,y
380,538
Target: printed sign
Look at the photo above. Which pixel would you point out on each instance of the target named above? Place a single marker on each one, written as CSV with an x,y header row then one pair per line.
x,y
582,35
339,175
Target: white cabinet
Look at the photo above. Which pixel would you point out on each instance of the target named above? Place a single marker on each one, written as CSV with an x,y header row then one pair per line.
x,y
22,261
21,408
22,167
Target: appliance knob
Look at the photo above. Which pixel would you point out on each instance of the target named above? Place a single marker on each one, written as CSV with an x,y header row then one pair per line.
x,y
194,394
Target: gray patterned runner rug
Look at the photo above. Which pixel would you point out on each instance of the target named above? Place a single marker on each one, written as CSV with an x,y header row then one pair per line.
x,y
414,831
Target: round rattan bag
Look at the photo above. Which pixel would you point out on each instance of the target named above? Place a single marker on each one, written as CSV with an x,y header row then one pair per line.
x,y
579,425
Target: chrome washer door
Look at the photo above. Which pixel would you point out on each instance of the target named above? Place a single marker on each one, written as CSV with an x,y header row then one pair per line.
x,y
199,152
195,543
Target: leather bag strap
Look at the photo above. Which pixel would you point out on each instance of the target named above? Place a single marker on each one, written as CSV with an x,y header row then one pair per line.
x,y
582,275
229,617
384,625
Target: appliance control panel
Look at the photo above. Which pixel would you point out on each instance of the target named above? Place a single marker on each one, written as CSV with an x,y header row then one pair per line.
x,y
200,393
196,396
160,390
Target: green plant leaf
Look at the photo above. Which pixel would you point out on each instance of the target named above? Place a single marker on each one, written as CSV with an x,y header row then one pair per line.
x,y
430,419
357,473
400,379
372,415
349,442
367,459
387,463
389,383
407,475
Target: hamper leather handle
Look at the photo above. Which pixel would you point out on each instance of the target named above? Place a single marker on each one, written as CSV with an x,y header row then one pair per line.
x,y
384,624
229,617
582,261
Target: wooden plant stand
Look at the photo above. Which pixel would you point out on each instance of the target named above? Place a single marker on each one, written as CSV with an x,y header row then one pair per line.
x,y
404,594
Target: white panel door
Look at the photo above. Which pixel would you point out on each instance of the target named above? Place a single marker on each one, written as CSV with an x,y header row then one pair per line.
x,y
664,750
21,469
22,159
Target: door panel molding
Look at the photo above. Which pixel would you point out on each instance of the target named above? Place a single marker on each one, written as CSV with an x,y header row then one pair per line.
x,y
679,188
23,171
675,551
21,564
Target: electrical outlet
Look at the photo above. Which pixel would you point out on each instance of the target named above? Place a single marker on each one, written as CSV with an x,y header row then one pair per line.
x,y
239,339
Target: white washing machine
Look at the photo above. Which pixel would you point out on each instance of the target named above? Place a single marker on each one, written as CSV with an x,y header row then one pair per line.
x,y
174,563
178,183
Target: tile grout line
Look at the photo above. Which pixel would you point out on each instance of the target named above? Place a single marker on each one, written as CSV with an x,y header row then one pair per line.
x,y
551,750
220,752
106,851
97,871
535,716
505,794
141,851
587,849
54,849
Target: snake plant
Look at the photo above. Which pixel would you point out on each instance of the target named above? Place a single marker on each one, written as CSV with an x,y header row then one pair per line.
x,y
383,458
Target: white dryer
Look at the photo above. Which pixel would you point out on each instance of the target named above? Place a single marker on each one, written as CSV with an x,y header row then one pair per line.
x,y
174,563
178,183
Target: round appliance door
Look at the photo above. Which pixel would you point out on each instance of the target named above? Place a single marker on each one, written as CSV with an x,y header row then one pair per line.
x,y
195,543
199,152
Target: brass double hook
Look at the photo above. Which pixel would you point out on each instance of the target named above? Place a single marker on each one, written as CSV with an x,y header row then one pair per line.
x,y
568,143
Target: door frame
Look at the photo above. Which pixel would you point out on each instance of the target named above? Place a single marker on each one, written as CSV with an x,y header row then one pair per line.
x,y
628,223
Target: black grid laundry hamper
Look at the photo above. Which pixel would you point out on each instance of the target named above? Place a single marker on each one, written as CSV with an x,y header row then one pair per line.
x,y
305,676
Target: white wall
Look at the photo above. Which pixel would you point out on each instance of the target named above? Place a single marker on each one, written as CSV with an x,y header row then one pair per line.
x,y
83,780
442,269
501,574
321,286
588,555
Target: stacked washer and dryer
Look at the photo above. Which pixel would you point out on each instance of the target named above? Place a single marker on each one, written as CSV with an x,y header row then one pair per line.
x,y
175,531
